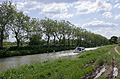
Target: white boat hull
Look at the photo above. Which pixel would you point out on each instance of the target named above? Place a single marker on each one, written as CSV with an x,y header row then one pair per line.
x,y
79,50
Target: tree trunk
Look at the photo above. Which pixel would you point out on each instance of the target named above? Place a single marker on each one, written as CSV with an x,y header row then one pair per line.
x,y
72,41
68,41
78,42
59,41
1,39
64,40
48,40
59,38
18,41
54,39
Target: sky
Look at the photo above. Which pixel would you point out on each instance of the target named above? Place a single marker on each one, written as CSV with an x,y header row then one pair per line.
x,y
97,16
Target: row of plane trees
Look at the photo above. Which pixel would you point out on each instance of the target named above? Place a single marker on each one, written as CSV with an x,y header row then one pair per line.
x,y
45,31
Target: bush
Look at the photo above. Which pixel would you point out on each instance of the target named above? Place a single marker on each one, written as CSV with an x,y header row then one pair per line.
x,y
36,39
34,49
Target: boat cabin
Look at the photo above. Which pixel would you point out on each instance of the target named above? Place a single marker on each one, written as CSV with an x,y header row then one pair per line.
x,y
79,50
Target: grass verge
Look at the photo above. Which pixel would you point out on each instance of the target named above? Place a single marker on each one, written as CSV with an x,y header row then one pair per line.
x,y
63,68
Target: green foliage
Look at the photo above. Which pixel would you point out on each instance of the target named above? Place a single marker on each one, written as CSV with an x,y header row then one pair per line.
x,y
100,61
35,49
19,25
6,17
102,77
36,40
62,34
58,69
66,33
113,40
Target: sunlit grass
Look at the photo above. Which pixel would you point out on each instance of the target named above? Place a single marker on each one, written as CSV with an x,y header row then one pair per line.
x,y
63,68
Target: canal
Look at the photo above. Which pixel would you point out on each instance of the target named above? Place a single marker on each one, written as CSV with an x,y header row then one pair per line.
x,y
10,62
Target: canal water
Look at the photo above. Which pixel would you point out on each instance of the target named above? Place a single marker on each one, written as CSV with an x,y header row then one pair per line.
x,y
10,62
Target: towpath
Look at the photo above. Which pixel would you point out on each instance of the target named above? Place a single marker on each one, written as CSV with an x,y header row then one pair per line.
x,y
117,50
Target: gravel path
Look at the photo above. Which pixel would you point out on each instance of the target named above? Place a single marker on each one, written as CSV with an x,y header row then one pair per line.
x,y
117,50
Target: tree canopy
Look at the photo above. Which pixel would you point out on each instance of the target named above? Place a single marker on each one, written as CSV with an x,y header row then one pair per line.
x,y
53,32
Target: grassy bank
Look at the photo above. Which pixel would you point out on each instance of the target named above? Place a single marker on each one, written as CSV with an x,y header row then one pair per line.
x,y
29,50
68,68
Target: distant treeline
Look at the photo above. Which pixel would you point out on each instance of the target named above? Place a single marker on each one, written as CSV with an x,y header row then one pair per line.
x,y
43,32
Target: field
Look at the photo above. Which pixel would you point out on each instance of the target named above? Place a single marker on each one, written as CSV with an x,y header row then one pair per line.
x,y
83,66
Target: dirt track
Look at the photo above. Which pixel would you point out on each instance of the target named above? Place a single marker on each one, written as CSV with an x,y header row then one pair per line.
x,y
108,70
117,50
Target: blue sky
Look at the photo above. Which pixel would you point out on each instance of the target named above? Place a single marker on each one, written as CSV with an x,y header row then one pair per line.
x,y
98,16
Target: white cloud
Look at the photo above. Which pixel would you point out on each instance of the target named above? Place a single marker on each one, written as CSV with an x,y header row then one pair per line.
x,y
61,15
99,24
116,1
77,25
95,19
26,12
62,7
117,17
103,28
117,5
64,15
103,5
29,5
85,7
57,10
107,32
107,15
51,9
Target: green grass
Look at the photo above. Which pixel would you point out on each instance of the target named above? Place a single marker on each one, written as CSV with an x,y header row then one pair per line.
x,y
62,68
